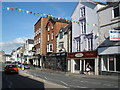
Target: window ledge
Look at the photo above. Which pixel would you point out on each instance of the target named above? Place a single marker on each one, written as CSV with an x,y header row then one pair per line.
x,y
116,18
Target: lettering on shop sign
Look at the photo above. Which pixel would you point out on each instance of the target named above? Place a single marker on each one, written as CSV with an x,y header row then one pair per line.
x,y
79,55
89,54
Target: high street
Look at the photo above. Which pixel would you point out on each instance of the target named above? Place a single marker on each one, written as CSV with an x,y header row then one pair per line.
x,y
36,78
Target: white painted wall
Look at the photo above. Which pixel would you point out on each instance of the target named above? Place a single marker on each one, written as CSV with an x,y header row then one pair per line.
x,y
91,18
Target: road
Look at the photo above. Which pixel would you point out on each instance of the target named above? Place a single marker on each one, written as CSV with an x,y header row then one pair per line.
x,y
25,81
74,82
68,82
18,81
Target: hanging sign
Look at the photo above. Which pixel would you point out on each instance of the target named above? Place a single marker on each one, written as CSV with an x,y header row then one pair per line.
x,y
114,35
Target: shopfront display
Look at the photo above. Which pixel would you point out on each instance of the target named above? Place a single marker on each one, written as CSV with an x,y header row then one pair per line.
x,y
56,61
80,59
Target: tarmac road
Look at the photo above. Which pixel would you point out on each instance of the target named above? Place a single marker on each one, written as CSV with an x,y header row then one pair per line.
x,y
74,82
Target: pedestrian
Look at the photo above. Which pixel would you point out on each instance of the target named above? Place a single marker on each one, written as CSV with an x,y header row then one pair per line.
x,y
88,68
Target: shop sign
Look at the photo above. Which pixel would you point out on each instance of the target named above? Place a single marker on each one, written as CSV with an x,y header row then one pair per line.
x,y
78,55
114,35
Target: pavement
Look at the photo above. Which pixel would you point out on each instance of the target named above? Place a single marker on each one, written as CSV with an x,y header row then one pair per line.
x,y
47,84
102,77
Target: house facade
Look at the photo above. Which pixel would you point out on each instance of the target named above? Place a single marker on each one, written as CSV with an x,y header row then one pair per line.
x,y
109,38
29,44
2,59
85,37
40,43
53,58
64,43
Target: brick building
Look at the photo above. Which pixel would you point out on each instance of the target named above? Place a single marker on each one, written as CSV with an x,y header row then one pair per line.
x,y
45,31
40,41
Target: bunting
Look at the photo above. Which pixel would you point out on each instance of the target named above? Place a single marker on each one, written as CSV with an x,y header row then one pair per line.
x,y
44,15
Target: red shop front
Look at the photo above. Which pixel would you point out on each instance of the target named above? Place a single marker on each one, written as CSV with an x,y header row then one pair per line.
x,y
80,59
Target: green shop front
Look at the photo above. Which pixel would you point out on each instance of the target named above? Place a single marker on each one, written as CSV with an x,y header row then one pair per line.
x,y
56,61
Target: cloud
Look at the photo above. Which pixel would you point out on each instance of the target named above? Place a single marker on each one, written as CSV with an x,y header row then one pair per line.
x,y
8,46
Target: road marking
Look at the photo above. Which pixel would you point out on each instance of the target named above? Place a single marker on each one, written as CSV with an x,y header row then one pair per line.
x,y
65,87
77,86
64,83
45,77
10,83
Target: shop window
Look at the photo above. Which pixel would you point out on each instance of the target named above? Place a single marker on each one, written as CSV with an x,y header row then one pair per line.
x,y
117,62
77,64
111,63
105,63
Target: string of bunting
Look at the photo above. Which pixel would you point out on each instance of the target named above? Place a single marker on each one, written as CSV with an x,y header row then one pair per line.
x,y
44,15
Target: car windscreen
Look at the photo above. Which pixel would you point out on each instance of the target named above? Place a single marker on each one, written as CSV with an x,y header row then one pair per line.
x,y
12,66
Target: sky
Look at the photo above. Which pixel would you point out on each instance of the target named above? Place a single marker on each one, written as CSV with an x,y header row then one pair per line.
x,y
18,26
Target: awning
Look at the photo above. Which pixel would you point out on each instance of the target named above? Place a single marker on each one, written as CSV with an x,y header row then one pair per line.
x,y
109,50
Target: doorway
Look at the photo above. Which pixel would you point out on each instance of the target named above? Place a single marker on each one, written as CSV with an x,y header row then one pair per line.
x,y
91,62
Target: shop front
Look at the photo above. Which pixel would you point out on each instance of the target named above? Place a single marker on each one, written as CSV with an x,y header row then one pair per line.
x,y
110,60
56,61
79,61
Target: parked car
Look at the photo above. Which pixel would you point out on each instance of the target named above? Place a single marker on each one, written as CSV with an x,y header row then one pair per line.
x,y
26,66
19,65
11,69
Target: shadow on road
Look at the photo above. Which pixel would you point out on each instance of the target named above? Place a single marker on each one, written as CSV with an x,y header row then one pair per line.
x,y
18,82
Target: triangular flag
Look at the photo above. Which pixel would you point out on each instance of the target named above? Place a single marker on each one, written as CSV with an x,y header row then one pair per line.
x,y
37,13
3,8
16,8
30,12
23,11
27,11
12,9
19,9
41,14
8,8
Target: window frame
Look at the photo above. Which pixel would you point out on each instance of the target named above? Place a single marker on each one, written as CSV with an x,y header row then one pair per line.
x,y
113,12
